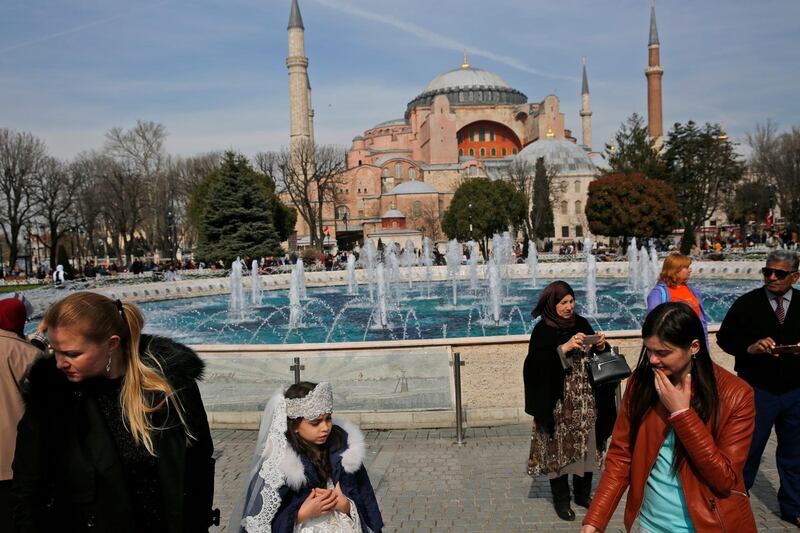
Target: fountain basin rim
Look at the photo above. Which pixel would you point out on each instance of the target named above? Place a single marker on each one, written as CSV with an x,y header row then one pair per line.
x,y
454,342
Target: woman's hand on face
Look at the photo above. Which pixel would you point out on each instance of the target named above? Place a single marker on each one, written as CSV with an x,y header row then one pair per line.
x,y
574,343
318,503
342,503
674,398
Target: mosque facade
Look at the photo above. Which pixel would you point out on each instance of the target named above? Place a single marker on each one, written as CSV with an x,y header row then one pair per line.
x,y
468,122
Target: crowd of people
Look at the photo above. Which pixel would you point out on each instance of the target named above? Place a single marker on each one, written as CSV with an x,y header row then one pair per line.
x,y
103,427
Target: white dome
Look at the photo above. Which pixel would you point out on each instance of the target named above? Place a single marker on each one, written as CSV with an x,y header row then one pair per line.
x,y
565,157
393,213
466,77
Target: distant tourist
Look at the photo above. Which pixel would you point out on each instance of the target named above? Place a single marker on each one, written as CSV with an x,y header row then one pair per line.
x,y
680,443
114,435
58,275
673,286
762,331
571,420
308,475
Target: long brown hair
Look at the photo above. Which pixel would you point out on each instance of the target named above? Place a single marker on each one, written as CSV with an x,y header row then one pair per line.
x,y
677,324
318,455
145,389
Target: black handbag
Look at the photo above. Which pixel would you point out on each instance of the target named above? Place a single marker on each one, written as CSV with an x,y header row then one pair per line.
x,y
608,368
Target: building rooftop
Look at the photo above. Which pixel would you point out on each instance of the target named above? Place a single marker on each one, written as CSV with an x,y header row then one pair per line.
x,y
413,187
565,157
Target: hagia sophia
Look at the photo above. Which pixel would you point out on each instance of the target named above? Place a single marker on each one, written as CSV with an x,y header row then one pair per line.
x,y
468,122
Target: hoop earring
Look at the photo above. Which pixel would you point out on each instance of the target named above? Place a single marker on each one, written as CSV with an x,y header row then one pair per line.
x,y
108,364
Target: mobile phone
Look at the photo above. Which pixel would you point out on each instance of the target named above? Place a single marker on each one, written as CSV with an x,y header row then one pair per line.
x,y
591,339
786,348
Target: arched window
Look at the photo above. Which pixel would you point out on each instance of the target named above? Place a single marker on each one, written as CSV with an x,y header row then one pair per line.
x,y
504,152
482,134
342,211
412,173
385,172
472,152
460,152
472,135
483,152
494,152
563,186
577,185
578,207
416,209
360,203
491,135
398,170
563,207
514,151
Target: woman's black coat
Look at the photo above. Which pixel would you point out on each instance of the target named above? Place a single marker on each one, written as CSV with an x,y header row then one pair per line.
x,y
68,475
544,375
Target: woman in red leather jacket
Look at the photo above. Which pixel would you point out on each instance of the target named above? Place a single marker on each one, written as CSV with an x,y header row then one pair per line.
x,y
681,437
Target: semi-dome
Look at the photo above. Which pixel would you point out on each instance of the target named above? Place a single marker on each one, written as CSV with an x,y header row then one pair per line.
x,y
468,86
565,157
413,187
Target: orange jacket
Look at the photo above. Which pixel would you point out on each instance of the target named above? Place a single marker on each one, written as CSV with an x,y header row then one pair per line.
x,y
711,477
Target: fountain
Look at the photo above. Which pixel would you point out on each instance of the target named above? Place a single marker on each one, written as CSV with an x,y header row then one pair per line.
x,y
643,269
393,264
299,277
236,305
494,290
591,278
352,283
409,259
381,310
633,266
533,263
472,246
655,268
427,262
295,309
255,284
454,266
369,258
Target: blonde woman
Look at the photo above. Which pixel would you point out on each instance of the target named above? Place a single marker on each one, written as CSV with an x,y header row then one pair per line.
x,y
114,436
673,286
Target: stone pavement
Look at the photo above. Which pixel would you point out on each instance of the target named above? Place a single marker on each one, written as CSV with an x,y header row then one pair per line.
x,y
425,483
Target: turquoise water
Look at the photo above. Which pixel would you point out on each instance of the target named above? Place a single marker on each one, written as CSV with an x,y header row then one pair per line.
x,y
420,312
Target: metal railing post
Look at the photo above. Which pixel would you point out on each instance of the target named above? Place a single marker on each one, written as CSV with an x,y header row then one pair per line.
x,y
457,364
297,367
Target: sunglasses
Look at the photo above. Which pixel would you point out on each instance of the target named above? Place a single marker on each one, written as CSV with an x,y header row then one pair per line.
x,y
780,274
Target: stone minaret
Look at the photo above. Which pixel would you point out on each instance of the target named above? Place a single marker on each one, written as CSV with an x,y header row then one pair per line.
x,y
586,111
654,73
301,115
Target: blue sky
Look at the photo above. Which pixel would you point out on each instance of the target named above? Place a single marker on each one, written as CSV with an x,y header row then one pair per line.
x,y
213,71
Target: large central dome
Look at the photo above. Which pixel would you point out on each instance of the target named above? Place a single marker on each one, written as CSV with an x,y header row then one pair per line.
x,y
465,78
468,86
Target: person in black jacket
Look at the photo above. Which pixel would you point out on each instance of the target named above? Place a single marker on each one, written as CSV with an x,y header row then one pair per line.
x,y
571,420
115,435
757,322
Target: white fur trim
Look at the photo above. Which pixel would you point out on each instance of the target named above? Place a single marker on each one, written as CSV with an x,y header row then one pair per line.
x,y
353,457
292,469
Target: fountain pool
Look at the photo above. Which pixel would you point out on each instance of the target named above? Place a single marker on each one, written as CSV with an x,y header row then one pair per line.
x,y
330,314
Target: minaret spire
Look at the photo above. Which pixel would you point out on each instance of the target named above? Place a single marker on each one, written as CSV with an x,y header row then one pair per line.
x,y
654,72
465,64
586,111
301,127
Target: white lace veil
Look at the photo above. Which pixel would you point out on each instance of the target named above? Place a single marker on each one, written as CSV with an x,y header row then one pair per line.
x,y
260,501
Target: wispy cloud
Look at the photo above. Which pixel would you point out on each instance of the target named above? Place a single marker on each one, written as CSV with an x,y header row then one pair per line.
x,y
439,40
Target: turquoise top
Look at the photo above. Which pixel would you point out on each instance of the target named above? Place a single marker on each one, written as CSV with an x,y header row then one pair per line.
x,y
664,505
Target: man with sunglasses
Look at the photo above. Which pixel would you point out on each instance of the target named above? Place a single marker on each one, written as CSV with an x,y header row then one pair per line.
x,y
756,323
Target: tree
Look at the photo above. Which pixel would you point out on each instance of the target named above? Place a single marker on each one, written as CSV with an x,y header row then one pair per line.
x,y
21,156
541,214
633,152
238,220
427,221
751,202
310,175
631,205
55,197
701,166
776,157
487,206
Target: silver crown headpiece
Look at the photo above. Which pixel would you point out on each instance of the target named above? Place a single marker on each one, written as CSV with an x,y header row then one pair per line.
x,y
317,402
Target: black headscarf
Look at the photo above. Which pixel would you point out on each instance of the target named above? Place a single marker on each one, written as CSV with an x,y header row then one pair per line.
x,y
546,307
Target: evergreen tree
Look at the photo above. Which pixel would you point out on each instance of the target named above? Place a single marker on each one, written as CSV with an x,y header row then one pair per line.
x,y
238,220
542,212
633,151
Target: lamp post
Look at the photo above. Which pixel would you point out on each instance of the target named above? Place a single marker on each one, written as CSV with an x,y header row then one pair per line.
x,y
469,216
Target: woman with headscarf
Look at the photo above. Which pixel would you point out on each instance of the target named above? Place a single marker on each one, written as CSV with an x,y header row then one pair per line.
x,y
571,420
16,356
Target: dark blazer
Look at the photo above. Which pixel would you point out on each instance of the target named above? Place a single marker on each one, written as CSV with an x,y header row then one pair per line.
x,y
544,376
751,318
68,476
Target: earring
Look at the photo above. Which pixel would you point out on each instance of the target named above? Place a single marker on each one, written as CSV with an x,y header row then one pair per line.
x,y
108,364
